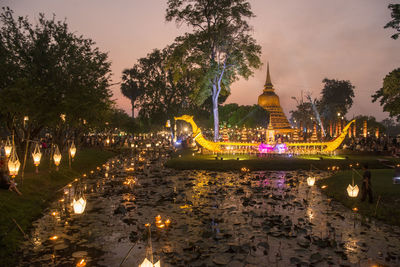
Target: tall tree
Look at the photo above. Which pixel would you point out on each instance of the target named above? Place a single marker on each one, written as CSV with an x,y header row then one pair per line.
x,y
130,86
52,72
218,50
389,94
395,22
337,97
161,98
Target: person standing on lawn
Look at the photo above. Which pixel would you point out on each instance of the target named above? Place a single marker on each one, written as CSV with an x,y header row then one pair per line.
x,y
366,188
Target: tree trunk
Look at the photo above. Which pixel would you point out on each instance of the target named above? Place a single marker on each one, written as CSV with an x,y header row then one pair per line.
x,y
216,119
133,109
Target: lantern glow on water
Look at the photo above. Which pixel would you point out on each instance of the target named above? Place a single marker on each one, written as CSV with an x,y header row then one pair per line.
x,y
311,181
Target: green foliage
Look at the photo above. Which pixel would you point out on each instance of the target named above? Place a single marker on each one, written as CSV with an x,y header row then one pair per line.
x,y
249,116
395,22
337,97
382,185
219,49
161,97
303,113
46,71
130,86
372,124
389,94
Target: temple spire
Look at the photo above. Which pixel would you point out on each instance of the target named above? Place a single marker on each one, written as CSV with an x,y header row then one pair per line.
x,y
268,84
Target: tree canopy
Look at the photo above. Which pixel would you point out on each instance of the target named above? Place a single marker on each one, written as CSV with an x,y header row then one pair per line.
x,y
59,80
217,51
238,115
336,97
395,22
161,97
389,94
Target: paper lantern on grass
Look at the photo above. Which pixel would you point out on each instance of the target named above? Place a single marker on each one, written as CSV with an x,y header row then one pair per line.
x,y
57,156
147,263
8,148
36,155
13,163
79,205
352,190
72,150
311,181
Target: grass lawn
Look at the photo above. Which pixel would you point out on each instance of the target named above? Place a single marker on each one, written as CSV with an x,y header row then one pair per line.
x,y
382,185
187,161
38,190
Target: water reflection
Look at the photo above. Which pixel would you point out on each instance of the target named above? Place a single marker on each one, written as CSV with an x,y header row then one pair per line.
x,y
259,218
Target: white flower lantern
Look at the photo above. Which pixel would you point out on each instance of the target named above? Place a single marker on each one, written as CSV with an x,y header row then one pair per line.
x,y
36,155
311,181
79,205
57,156
72,150
13,163
8,148
352,190
147,263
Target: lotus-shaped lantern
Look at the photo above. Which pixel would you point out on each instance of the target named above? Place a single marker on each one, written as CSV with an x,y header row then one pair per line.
x,y
8,148
352,190
79,205
72,150
147,263
57,156
311,181
13,163
36,155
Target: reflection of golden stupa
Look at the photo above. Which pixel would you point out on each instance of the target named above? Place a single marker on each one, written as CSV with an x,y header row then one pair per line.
x,y
270,102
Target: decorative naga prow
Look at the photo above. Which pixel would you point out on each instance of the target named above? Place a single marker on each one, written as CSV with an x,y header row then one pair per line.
x,y
216,146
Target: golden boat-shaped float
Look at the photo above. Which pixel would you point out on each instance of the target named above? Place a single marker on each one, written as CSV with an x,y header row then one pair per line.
x,y
328,146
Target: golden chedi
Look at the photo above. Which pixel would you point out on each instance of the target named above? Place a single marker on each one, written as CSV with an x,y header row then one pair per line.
x,y
269,100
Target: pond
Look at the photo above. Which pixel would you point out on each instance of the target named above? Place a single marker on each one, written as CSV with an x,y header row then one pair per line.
x,y
216,219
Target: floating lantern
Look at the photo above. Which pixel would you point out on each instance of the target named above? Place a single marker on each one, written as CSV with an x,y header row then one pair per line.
x,y
79,205
13,163
147,263
8,148
57,156
72,150
352,190
36,155
167,222
311,181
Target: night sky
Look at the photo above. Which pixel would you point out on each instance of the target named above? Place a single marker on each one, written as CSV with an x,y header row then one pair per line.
x,y
303,40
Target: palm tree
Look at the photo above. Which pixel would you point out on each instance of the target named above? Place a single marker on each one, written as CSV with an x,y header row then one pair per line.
x,y
130,86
